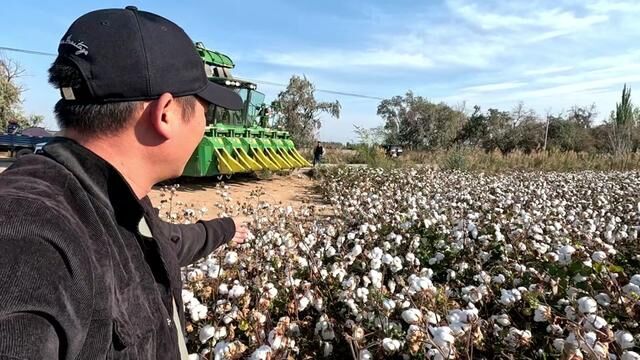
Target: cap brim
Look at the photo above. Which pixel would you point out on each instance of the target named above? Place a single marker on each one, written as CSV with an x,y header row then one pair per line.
x,y
221,96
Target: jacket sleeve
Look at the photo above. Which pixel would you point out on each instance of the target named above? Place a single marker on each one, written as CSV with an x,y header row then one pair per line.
x,y
195,241
46,287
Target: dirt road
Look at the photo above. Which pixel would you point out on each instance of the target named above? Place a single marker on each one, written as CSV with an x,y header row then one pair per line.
x,y
294,189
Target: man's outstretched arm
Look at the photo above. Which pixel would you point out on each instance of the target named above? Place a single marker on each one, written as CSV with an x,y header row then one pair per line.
x,y
195,241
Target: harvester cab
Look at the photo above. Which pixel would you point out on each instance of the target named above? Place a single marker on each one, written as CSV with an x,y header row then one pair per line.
x,y
239,141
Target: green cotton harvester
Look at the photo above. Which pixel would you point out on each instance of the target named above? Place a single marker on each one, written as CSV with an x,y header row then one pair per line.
x,y
239,141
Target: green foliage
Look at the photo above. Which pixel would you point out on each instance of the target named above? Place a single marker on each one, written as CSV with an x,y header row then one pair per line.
x,y
415,122
11,97
297,111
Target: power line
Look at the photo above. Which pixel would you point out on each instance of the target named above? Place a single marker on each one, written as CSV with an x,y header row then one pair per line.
x,y
263,82
27,51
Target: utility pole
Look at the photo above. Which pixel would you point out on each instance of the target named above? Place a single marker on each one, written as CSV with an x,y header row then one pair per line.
x,y
546,134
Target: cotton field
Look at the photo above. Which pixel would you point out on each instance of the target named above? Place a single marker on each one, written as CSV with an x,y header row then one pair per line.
x,y
425,264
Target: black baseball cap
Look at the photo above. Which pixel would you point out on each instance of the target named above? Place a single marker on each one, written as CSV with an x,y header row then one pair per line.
x,y
128,55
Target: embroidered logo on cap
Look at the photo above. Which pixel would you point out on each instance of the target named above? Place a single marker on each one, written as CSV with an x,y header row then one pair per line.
x,y
82,48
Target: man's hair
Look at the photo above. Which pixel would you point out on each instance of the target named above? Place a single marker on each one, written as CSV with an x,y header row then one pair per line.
x,y
96,118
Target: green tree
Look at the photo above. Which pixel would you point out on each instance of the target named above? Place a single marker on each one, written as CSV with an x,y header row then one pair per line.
x,y
414,121
10,92
622,124
11,96
297,111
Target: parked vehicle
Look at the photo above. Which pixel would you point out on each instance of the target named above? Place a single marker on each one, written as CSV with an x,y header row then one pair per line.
x,y
19,143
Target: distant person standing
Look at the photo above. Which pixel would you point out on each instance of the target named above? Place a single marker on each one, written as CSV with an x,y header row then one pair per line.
x,y
318,152
13,127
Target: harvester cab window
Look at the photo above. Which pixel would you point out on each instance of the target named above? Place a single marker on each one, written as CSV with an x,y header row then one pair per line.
x,y
256,99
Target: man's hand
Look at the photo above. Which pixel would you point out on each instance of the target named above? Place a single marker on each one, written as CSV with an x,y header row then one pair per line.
x,y
241,234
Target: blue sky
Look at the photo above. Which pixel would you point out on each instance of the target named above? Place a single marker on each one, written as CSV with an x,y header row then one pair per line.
x,y
549,54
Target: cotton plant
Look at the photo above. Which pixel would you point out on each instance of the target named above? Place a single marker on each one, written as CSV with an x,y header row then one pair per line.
x,y
422,263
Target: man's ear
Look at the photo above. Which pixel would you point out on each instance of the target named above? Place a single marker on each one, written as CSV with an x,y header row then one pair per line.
x,y
162,115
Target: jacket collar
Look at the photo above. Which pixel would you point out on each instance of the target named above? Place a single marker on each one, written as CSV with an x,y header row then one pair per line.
x,y
99,178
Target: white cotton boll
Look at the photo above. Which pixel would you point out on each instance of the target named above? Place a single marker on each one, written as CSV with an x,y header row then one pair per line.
x,y
223,289
187,296
199,312
387,259
594,322
357,250
275,340
362,294
508,297
502,320
389,304
376,253
303,302
570,312
624,339
410,257
599,256
231,258
587,305
220,350
555,329
215,271
206,333
193,357
565,253
392,286
603,299
412,316
442,336
630,355
262,353
330,251
542,313
631,288
498,279
375,264
396,265
236,291
365,355
390,345
635,279
376,278
220,333
386,246
318,303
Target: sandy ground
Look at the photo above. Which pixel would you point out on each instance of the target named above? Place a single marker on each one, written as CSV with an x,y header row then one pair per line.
x,y
294,189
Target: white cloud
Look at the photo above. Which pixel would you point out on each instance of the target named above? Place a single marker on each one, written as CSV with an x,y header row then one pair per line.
x,y
548,70
493,87
557,21
336,59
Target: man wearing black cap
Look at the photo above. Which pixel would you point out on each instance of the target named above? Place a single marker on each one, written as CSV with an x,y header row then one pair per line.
x,y
87,269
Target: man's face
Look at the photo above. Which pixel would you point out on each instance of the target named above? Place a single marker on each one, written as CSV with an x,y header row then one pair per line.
x,y
191,133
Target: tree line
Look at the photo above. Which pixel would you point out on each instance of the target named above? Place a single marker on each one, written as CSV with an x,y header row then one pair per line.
x,y
418,123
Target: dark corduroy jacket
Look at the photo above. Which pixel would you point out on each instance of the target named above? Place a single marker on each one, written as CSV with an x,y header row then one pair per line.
x,y
80,276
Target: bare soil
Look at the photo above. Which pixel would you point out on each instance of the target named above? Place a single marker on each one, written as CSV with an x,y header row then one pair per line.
x,y
294,189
